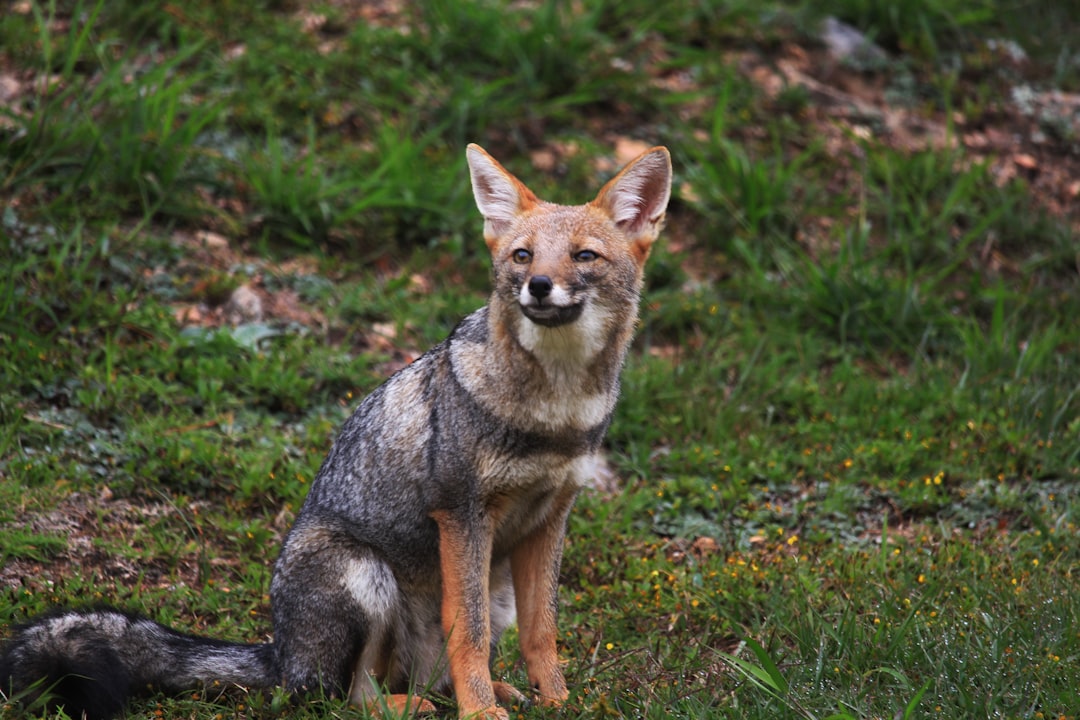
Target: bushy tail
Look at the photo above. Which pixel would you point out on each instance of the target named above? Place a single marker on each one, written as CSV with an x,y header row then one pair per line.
x,y
92,662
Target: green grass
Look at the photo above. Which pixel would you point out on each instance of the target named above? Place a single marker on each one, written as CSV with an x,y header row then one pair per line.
x,y
849,438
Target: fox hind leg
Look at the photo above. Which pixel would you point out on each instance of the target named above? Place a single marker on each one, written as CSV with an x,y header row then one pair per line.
x,y
332,604
317,638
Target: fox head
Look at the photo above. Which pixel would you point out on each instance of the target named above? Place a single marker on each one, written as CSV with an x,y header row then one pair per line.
x,y
557,266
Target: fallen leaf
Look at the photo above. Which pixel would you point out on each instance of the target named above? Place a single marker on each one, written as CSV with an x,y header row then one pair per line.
x,y
1026,161
385,330
704,546
626,149
212,240
543,159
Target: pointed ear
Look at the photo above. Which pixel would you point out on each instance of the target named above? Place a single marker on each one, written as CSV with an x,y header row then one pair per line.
x,y
499,196
637,197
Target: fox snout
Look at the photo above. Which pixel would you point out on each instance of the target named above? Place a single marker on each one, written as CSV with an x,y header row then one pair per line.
x,y
540,286
547,303
539,291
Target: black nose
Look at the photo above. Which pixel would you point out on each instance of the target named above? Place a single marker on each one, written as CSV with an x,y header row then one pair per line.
x,y
540,286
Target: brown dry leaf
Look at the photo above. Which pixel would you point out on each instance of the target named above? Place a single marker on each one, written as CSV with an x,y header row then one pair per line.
x,y
285,305
1026,161
10,87
311,22
420,284
543,159
704,546
688,194
237,50
212,240
329,47
381,13
567,149
626,149
188,314
385,330
976,140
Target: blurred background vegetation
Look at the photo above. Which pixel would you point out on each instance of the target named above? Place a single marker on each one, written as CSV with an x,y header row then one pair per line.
x,y
845,465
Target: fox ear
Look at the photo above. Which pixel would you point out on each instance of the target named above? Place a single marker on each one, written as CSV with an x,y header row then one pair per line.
x,y
499,196
637,197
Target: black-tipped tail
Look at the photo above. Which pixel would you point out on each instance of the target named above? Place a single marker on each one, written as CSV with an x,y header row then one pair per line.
x,y
90,663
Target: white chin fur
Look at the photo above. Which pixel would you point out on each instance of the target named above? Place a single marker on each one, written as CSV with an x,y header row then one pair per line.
x,y
565,347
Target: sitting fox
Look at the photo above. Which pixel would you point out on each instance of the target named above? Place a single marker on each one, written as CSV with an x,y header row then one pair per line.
x,y
441,509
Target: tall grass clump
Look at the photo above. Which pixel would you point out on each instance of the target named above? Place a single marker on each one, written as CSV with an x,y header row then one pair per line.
x,y
103,131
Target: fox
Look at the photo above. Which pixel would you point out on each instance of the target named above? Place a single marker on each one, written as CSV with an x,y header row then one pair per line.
x,y
439,515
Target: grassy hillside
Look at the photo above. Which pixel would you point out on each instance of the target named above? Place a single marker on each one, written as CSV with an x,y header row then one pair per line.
x,y
846,463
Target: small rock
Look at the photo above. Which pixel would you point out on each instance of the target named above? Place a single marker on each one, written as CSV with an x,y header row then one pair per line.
x,y
847,43
1009,48
243,306
212,240
10,87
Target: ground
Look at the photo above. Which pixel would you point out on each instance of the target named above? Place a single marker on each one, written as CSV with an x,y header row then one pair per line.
x,y
852,386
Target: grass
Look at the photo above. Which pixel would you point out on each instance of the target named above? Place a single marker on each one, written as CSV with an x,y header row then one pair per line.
x,y
849,438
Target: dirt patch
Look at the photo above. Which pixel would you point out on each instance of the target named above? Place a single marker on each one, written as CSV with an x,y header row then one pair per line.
x,y
88,523
1027,134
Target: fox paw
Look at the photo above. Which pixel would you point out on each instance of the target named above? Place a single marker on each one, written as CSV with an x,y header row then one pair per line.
x,y
490,713
401,705
507,694
553,696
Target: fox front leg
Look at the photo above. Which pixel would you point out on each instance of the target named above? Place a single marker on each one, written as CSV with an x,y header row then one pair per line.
x,y
465,562
534,564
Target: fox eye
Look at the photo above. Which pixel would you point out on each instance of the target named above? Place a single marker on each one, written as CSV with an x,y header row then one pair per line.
x,y
585,256
521,256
